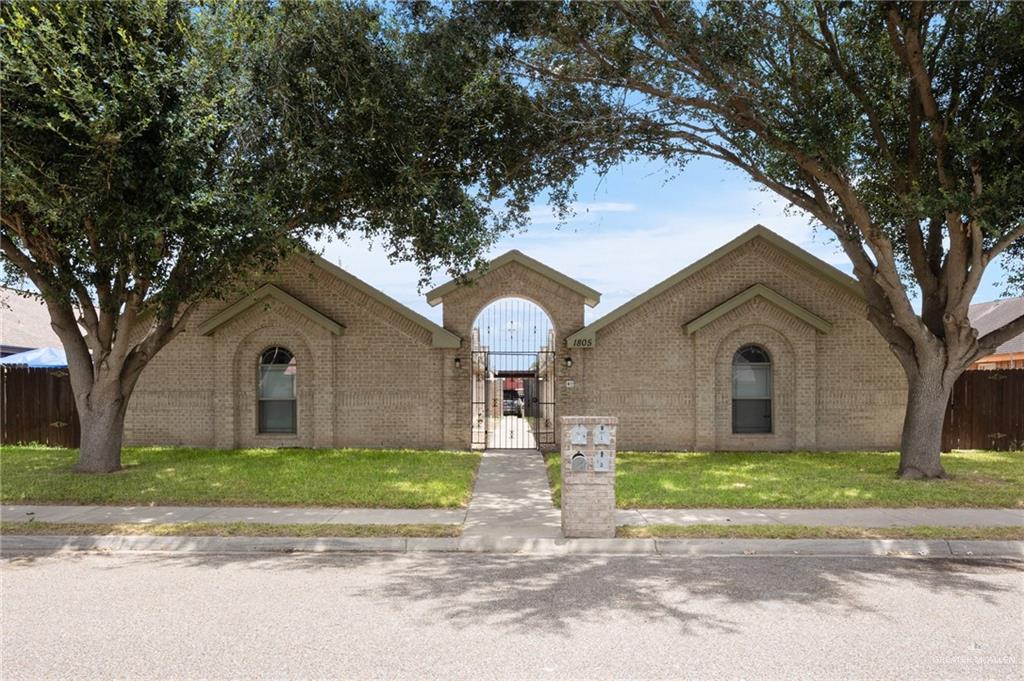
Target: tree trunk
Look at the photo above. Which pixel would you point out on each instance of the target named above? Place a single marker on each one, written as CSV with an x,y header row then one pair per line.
x,y
921,442
102,431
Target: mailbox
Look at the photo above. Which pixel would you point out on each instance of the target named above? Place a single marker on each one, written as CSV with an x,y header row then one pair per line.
x,y
579,462
588,476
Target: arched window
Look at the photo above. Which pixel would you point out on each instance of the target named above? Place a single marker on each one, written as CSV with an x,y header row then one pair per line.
x,y
277,391
751,390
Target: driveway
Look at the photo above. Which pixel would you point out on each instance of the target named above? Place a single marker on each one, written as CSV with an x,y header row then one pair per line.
x,y
499,616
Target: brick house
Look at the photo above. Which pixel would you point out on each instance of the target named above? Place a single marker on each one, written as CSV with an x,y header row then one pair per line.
x,y
758,345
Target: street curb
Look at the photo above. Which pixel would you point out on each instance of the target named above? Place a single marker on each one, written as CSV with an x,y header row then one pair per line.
x,y
14,545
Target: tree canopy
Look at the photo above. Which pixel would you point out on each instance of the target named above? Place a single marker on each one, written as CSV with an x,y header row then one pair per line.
x,y
158,154
898,126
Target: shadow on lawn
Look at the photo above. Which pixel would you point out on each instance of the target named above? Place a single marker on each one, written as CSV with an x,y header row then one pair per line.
x,y
531,593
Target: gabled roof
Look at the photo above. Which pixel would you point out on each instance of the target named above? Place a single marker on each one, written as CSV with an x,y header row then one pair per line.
x,y
26,320
590,296
995,314
40,358
440,336
263,292
768,294
585,336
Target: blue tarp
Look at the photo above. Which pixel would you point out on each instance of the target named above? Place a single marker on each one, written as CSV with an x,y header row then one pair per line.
x,y
40,358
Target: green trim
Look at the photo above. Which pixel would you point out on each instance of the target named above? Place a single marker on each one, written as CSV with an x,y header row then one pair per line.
x,y
754,291
440,336
268,291
587,336
590,296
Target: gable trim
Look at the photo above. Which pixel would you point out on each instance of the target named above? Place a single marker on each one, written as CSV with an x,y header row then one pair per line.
x,y
758,290
587,336
440,337
268,291
590,296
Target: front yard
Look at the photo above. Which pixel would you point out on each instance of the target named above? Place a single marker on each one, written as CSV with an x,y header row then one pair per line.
x,y
257,477
806,480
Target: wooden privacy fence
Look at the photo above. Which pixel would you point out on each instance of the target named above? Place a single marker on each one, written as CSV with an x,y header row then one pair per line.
x,y
38,406
986,411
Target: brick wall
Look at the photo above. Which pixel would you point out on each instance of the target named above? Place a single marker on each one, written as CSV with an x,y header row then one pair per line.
x,y
563,306
380,383
671,390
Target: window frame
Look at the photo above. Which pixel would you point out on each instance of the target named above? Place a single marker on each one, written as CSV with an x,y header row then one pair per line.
x,y
293,400
769,396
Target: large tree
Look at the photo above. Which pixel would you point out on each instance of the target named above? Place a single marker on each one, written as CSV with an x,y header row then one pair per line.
x,y
898,126
161,153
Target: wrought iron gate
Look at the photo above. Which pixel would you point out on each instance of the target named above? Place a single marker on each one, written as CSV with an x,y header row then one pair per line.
x,y
513,359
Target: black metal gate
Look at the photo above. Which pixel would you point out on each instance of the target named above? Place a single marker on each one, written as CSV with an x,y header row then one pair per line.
x,y
513,362
513,400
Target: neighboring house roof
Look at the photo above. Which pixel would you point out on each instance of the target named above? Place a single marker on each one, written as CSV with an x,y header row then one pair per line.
x,y
40,358
440,336
986,317
758,290
25,321
263,292
816,265
590,296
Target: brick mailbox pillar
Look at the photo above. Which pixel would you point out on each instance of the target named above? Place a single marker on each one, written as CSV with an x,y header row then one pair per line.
x,y
588,476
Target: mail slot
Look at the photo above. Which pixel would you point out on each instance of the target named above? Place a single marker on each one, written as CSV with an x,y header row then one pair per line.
x,y
579,462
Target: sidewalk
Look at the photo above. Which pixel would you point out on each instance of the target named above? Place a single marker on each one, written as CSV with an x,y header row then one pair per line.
x,y
834,517
512,503
232,514
512,497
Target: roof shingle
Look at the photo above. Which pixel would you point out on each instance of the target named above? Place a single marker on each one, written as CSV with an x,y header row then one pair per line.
x,y
25,321
991,315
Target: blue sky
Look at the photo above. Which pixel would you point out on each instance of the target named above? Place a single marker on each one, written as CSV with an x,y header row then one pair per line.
x,y
633,228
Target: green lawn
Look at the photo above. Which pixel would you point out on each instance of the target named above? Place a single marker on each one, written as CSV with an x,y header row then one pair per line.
x,y
258,477
807,479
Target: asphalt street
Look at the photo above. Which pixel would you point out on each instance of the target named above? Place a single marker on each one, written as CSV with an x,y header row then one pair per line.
x,y
377,616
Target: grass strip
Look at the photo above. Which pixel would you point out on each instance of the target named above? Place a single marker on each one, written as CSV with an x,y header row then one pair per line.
x,y
814,532
197,529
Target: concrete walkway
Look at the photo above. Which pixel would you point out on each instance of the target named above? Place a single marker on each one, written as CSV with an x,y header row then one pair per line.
x,y
497,510
510,501
512,497
232,514
510,432
851,517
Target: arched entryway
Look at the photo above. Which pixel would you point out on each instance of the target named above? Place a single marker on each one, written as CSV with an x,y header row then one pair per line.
x,y
513,360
